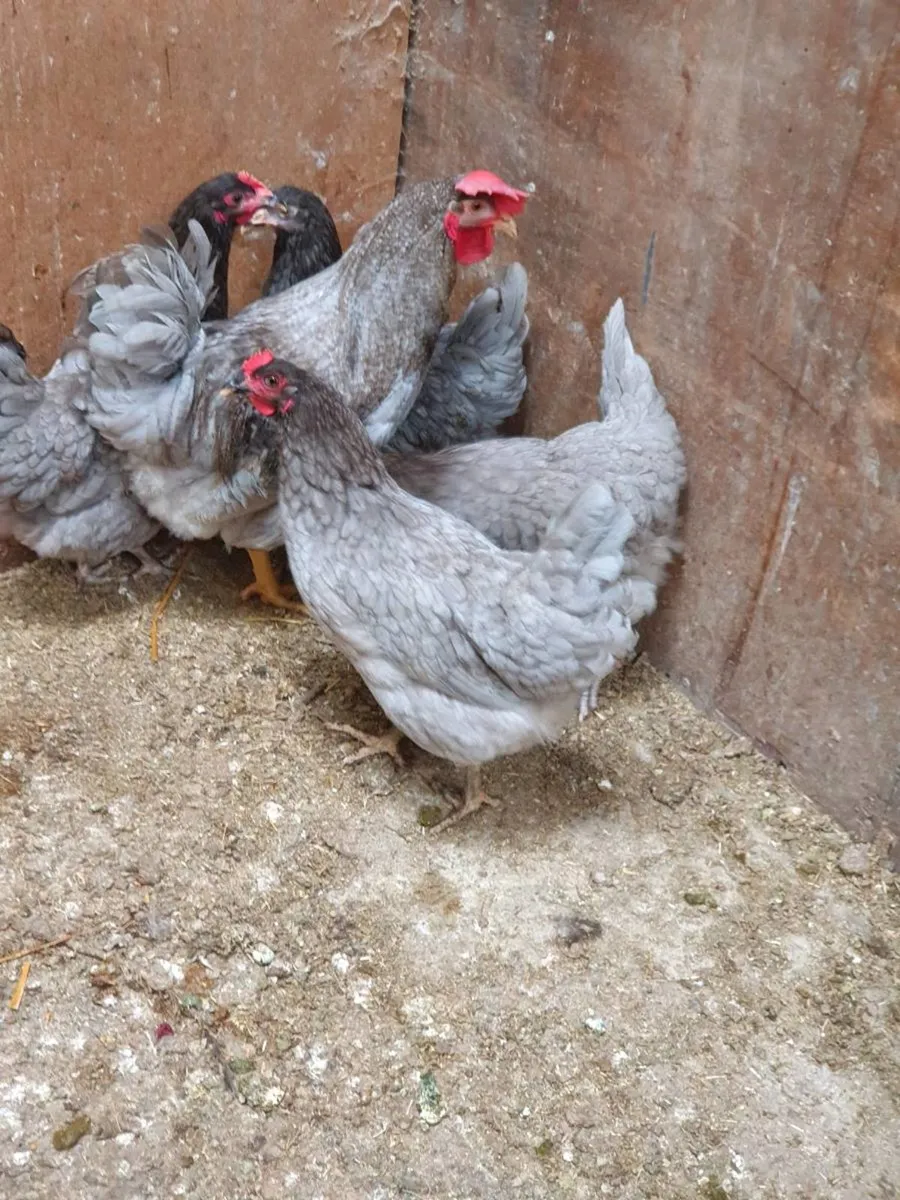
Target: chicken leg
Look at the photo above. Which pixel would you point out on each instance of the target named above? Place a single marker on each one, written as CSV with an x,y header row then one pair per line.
x,y
385,743
149,564
265,586
475,797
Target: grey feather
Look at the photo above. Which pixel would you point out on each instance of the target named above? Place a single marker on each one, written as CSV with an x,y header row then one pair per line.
x,y
476,377
511,489
141,327
471,651
63,492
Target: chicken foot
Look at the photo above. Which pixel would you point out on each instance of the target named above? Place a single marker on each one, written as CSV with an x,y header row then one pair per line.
x,y
385,743
149,564
91,576
474,797
265,586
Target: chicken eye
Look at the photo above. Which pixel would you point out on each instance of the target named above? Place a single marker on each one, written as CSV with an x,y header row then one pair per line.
x,y
272,381
233,199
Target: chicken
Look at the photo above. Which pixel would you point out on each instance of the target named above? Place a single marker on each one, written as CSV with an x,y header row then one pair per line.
x,y
219,206
512,489
306,239
479,367
62,489
471,651
476,376
367,324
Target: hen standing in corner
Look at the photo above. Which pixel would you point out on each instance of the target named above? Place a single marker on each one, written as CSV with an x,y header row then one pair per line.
x,y
511,490
472,652
368,324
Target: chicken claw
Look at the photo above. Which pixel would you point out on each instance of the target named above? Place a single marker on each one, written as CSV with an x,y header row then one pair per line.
x,y
91,576
149,564
265,586
475,797
588,701
385,743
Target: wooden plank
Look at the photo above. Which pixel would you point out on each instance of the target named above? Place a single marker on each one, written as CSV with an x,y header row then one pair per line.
x,y
114,111
733,171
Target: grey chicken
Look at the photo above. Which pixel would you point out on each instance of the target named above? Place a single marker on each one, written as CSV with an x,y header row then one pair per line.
x,y
476,376
63,492
367,324
512,489
471,651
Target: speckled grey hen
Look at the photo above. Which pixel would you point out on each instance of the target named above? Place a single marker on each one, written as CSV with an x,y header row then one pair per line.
x,y
476,376
367,324
511,489
62,489
471,651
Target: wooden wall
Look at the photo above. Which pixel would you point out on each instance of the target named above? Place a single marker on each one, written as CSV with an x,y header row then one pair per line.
x,y
113,112
733,171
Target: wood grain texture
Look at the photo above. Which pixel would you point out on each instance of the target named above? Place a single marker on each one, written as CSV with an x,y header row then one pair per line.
x,y
114,111
733,171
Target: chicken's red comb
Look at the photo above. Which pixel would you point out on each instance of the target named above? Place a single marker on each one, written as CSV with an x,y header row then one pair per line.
x,y
486,183
261,358
252,182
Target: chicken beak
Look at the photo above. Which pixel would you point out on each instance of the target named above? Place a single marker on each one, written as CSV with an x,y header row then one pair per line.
x,y
506,225
269,214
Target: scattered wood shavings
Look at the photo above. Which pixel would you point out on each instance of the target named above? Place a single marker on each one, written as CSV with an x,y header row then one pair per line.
x,y
37,949
19,990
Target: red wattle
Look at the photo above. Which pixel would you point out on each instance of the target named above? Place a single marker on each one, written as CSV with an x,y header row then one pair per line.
x,y
264,407
471,243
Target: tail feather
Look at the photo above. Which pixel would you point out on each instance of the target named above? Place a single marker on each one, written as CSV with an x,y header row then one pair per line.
x,y
140,320
624,372
476,377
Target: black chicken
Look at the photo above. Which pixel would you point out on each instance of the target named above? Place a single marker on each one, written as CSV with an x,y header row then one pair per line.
x,y
220,205
306,238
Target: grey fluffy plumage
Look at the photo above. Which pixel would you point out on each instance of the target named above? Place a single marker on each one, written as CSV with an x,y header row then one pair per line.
x,y
471,651
141,328
476,377
511,489
63,492
367,324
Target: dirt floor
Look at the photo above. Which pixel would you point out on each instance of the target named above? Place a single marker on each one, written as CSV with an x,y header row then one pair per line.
x,y
655,971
